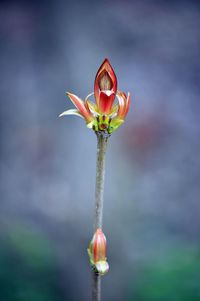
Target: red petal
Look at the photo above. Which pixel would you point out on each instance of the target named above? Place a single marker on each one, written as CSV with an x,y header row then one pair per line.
x,y
80,106
106,100
105,68
99,246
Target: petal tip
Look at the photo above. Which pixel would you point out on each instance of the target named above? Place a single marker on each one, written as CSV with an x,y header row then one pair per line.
x,y
106,60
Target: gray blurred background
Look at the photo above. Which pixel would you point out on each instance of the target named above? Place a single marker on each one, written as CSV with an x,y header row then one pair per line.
x,y
152,209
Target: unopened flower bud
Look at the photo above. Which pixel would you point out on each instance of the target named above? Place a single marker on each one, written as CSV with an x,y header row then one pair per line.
x,y
97,252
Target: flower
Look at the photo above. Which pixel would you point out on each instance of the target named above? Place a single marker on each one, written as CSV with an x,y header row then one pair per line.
x,y
105,88
97,252
104,115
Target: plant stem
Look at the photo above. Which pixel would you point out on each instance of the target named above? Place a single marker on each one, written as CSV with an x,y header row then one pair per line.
x,y
99,197
100,175
96,287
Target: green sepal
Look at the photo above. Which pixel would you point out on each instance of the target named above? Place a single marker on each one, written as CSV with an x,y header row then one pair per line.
x,y
90,255
92,107
71,112
114,124
103,122
92,125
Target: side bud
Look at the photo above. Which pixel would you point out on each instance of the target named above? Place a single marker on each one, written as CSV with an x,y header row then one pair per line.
x,y
97,253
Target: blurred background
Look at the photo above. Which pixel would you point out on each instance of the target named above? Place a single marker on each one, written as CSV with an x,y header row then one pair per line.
x,y
152,209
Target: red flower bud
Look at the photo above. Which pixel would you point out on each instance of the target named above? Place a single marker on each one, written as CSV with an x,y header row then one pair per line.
x,y
97,252
99,246
105,87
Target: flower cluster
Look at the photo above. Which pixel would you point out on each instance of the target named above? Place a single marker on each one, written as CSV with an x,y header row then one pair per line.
x,y
104,115
97,253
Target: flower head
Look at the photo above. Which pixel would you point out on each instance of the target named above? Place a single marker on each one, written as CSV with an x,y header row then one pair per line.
x,y
97,252
103,115
105,88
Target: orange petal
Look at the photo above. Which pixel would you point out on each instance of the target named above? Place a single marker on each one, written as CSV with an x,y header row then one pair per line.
x,y
80,106
122,104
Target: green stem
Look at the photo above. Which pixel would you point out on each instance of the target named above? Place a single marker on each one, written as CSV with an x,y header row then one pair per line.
x,y
99,197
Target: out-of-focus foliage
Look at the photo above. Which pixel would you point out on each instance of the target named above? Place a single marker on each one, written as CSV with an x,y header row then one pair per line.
x,y
173,277
28,267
